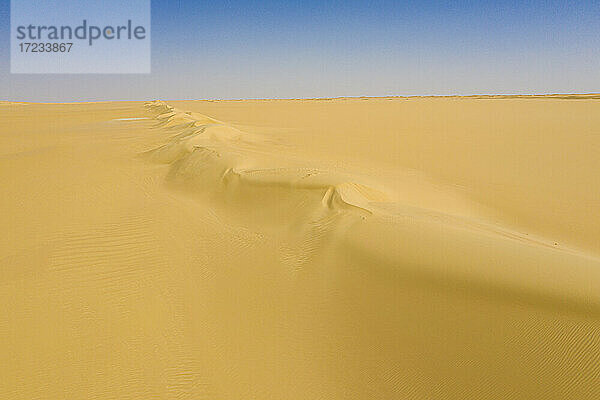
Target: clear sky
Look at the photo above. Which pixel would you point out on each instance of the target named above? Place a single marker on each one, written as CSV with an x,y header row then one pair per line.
x,y
290,49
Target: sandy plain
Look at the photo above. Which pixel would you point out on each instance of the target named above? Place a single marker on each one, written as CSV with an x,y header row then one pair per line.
x,y
350,248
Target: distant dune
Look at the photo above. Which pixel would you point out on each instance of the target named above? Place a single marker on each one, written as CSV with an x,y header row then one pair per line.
x,y
349,248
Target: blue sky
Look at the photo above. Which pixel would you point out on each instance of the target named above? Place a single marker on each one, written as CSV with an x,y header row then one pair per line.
x,y
283,49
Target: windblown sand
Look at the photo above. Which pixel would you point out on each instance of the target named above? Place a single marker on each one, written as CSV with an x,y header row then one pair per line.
x,y
392,248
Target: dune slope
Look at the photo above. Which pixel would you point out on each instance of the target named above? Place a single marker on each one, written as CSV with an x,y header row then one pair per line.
x,y
409,248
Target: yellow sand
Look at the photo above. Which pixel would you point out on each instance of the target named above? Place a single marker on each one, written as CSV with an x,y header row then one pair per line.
x,y
391,248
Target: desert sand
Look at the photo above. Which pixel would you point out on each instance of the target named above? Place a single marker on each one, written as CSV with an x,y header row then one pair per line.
x,y
350,248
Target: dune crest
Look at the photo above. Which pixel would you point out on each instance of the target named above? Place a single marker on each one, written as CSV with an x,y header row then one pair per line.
x,y
242,174
220,159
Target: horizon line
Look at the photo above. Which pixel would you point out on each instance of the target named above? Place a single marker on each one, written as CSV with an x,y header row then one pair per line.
x,y
479,95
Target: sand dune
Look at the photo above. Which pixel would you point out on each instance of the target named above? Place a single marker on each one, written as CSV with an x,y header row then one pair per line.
x,y
352,248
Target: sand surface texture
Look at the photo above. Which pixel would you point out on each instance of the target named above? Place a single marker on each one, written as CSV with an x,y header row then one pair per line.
x,y
381,248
